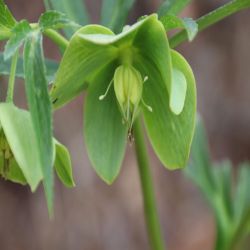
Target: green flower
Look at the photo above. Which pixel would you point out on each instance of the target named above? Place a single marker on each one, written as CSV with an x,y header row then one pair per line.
x,y
127,73
19,153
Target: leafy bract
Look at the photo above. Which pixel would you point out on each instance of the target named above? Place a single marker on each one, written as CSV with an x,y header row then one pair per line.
x,y
114,13
63,165
7,21
55,20
105,134
20,134
20,32
51,68
175,22
172,7
170,135
40,108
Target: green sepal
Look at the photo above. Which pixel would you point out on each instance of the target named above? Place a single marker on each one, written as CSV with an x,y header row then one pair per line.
x,y
63,165
80,62
170,135
105,134
20,134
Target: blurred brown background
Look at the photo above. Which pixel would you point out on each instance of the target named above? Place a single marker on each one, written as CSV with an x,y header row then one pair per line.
x,y
94,216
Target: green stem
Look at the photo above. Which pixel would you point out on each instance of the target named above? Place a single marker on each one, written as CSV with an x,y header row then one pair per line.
x,y
57,38
150,210
211,18
11,84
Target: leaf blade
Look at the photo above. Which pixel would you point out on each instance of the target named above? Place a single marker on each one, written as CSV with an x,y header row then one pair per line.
x,y
40,108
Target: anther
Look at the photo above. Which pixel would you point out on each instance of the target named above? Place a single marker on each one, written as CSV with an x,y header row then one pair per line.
x,y
149,108
101,97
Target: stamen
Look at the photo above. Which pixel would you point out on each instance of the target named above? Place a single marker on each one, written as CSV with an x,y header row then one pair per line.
x,y
149,108
101,97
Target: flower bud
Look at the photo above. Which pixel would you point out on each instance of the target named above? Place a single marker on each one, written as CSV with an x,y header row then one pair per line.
x,y
128,85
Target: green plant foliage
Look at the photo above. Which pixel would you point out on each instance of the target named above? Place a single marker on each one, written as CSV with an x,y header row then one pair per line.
x,y
115,12
231,204
51,68
20,136
55,20
7,21
172,7
40,107
20,33
19,152
63,165
95,52
175,22
75,10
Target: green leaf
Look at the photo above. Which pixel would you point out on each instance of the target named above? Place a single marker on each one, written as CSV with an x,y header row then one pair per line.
x,y
75,11
20,134
172,7
170,135
55,20
175,22
200,166
40,108
19,33
51,67
63,165
105,135
242,198
115,12
178,91
81,61
7,21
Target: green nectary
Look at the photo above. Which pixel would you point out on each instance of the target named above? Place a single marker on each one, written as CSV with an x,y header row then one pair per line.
x,y
96,58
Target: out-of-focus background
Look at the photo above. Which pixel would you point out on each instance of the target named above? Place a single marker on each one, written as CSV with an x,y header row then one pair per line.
x,y
94,216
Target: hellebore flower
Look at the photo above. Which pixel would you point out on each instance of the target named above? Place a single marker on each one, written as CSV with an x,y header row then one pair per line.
x,y
125,73
19,157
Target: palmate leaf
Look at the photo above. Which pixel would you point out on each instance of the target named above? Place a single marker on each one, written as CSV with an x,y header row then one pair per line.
x,y
7,21
40,108
20,33
55,20
114,13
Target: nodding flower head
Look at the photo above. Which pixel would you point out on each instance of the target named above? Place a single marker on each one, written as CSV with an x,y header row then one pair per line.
x,y
115,68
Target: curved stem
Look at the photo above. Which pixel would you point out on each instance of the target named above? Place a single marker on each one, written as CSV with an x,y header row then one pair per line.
x,y
150,210
57,38
11,83
211,18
